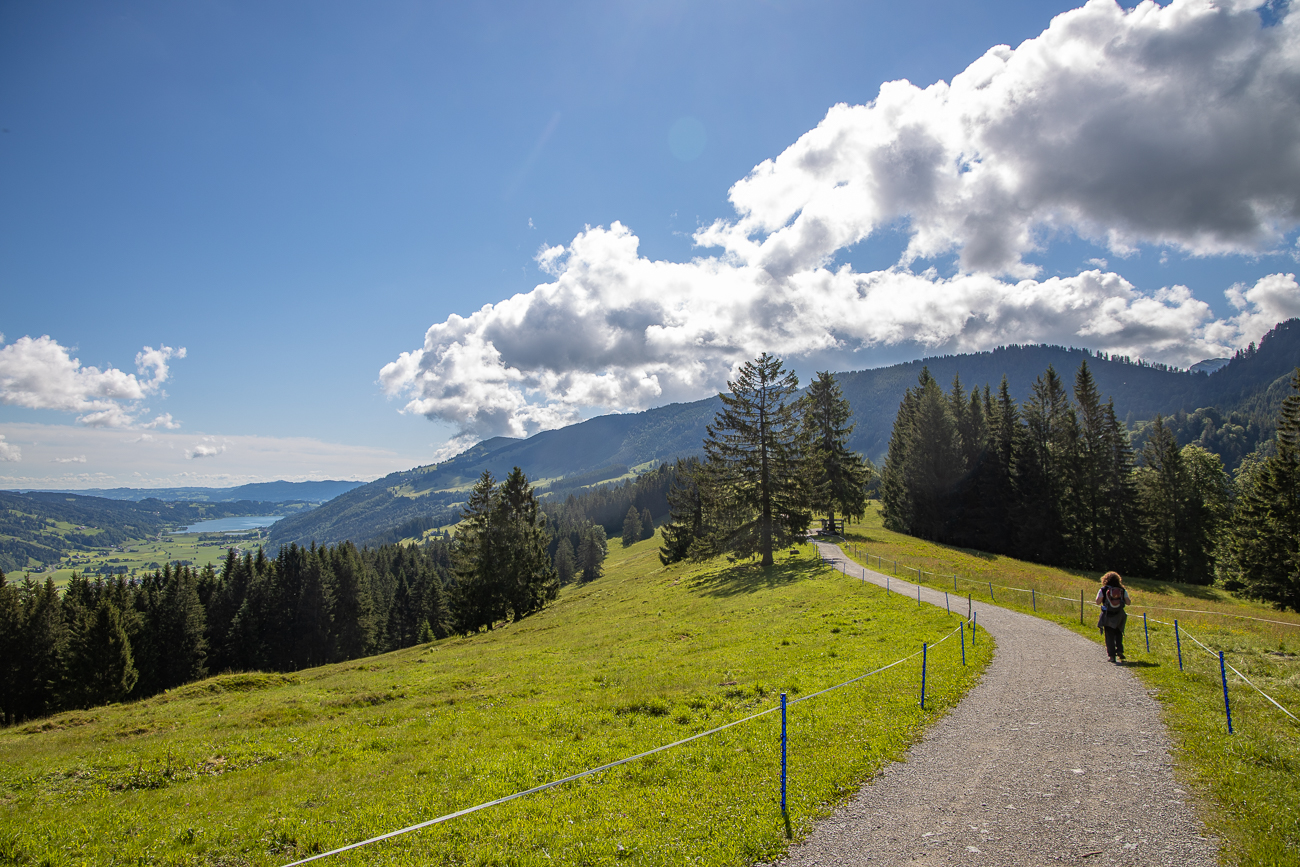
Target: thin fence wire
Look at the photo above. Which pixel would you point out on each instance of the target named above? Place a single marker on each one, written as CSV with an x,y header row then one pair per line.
x,y
1070,599
614,764
1182,630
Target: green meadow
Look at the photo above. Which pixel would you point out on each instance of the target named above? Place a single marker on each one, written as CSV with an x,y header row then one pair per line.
x,y
261,769
1249,781
146,555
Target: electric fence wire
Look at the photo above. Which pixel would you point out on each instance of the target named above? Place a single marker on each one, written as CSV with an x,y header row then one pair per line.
x,y
1072,600
1183,631
614,764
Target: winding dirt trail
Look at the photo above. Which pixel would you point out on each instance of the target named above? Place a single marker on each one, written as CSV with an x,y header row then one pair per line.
x,y
1056,756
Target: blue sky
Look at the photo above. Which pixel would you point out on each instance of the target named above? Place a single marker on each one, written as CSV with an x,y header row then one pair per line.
x,y
295,193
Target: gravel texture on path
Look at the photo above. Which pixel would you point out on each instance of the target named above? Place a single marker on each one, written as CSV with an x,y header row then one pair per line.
x,y
1056,756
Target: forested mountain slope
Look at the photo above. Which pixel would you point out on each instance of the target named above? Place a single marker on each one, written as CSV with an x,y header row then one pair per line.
x,y
604,448
586,453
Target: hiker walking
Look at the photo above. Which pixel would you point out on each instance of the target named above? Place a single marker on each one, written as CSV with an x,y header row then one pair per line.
x,y
1113,597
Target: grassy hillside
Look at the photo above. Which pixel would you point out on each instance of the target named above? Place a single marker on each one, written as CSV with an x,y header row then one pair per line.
x,y
262,769
1250,780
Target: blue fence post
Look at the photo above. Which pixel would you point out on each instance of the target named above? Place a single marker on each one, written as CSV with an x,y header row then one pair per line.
x,y
783,748
945,602
974,621
1033,596
991,599
918,595
1178,642
923,650
1145,633
961,627
1227,710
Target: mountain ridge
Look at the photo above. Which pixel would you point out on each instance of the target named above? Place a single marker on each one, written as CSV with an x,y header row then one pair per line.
x,y
620,443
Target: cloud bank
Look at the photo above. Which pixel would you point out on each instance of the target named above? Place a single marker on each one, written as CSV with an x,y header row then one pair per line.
x,y
1176,126
41,374
9,451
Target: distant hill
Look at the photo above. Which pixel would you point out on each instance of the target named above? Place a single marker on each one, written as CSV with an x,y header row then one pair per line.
x,y
611,446
39,527
265,492
596,450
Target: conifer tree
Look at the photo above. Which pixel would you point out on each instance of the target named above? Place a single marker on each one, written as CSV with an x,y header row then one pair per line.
x,y
685,522
1265,538
566,565
591,553
924,466
647,524
1044,471
101,666
11,628
837,476
479,601
351,604
631,527
42,650
755,467
524,567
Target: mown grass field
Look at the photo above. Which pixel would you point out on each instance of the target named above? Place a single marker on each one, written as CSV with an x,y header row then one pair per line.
x,y
254,769
1249,781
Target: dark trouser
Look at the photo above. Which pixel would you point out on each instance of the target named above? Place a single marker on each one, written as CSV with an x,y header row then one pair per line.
x,y
1114,641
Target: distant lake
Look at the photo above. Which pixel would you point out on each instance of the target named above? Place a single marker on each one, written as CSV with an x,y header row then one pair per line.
x,y
231,525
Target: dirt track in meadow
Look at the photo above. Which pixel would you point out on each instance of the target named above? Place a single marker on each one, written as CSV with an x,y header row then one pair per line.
x,y
1056,756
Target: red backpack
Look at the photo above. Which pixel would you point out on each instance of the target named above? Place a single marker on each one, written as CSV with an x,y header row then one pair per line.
x,y
1114,598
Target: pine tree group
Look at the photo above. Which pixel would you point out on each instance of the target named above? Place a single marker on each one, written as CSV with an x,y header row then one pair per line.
x,y
772,460
1053,481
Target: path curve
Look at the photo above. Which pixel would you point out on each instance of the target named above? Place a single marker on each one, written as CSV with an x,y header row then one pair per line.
x,y
1056,756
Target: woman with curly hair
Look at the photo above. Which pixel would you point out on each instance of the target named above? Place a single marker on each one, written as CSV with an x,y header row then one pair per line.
x,y
1113,597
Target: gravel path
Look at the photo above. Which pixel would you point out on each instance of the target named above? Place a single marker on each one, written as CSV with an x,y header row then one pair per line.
x,y
1056,756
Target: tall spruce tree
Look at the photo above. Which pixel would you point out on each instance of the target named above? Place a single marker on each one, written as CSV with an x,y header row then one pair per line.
x,y
1265,538
11,628
102,667
755,471
1044,472
479,600
631,527
591,553
523,566
685,522
566,563
924,466
647,524
837,475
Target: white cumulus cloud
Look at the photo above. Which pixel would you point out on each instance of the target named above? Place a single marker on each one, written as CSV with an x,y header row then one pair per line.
x,y
208,448
1176,126
9,452
74,459
39,373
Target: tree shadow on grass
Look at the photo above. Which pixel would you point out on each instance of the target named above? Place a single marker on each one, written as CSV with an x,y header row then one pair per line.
x,y
743,578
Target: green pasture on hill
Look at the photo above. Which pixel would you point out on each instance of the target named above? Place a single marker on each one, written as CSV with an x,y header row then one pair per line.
x,y
1249,781
145,555
261,769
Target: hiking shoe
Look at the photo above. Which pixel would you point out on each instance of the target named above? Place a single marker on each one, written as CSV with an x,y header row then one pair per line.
x,y
1111,658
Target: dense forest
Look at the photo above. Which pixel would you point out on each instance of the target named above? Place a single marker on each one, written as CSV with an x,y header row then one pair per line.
x,y
1057,480
114,639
